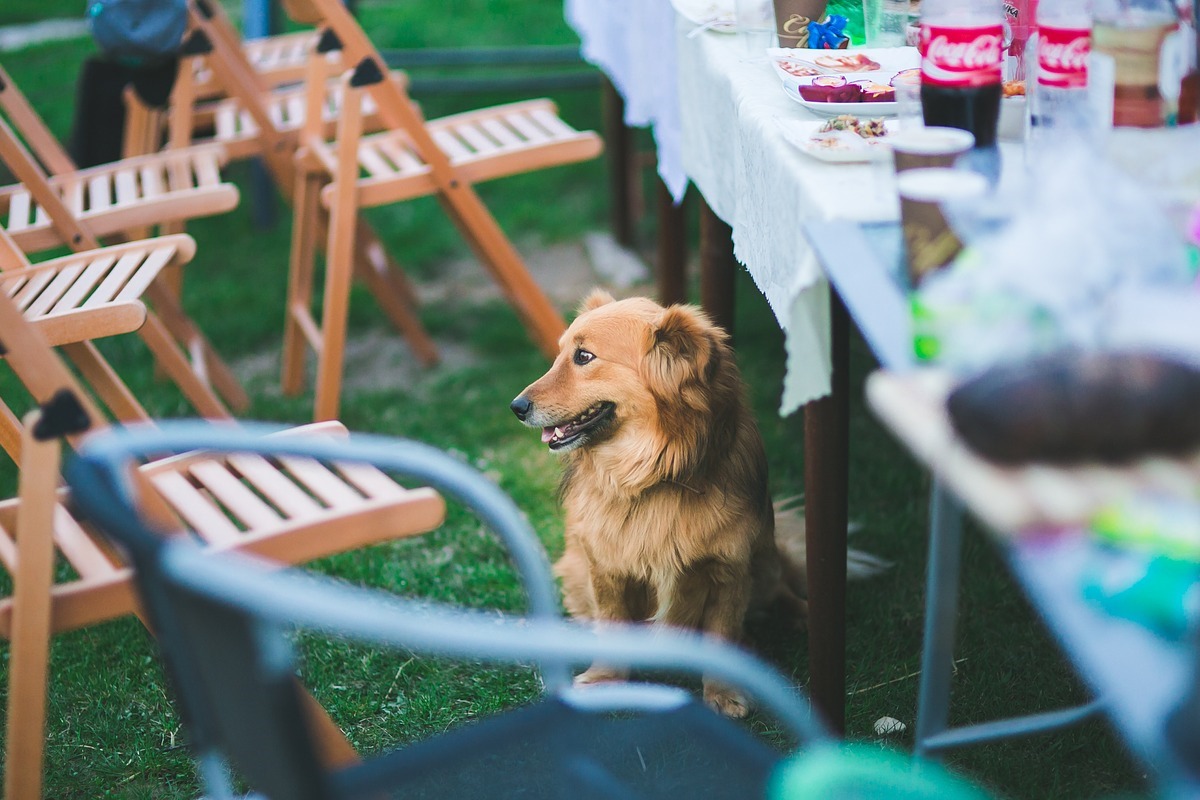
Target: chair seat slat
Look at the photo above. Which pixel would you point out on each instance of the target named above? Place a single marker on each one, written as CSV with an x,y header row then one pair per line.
x,y
79,548
195,509
83,285
321,481
29,292
477,139
233,495
115,278
126,187
54,292
146,273
19,211
281,491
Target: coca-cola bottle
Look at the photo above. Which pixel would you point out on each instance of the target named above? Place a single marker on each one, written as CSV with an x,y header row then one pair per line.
x,y
1059,104
962,52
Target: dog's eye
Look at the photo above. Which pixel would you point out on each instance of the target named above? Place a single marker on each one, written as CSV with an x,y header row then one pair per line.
x,y
583,356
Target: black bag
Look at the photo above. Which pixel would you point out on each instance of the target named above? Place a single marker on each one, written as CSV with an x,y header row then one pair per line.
x,y
138,31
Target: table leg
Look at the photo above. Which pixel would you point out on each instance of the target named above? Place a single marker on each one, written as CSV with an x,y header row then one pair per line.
x,y
672,248
826,478
941,615
718,267
622,164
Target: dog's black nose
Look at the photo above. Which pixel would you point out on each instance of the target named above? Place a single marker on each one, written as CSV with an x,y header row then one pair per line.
x,y
521,407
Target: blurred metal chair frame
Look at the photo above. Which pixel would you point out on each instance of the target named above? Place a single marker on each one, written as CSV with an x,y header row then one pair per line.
x,y
236,697
286,510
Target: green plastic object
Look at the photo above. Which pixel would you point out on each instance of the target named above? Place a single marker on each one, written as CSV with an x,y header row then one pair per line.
x,y
1160,598
845,771
1158,526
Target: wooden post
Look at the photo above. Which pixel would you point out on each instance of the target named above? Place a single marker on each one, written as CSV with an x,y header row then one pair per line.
x,y
672,248
718,268
826,478
618,144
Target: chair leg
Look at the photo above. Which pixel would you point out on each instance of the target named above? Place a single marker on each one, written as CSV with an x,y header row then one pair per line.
x,y
108,385
306,227
208,370
393,292
179,369
941,615
338,274
496,252
30,644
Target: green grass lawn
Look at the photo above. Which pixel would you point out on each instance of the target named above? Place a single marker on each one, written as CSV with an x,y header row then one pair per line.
x,y
111,728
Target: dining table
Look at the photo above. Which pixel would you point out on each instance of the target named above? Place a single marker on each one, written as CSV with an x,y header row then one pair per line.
x,y
1038,516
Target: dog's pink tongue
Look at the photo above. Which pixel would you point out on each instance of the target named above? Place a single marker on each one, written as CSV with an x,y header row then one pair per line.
x,y
547,433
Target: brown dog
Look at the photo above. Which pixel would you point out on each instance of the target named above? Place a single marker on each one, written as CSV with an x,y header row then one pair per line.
x,y
668,513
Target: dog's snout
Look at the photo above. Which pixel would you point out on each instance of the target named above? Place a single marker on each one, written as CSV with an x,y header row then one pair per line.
x,y
521,407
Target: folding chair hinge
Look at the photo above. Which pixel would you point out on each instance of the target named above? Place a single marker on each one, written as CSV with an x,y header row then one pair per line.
x,y
204,8
366,73
197,44
62,415
328,42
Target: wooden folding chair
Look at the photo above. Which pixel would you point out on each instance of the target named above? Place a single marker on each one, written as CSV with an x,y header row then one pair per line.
x,y
253,118
412,158
77,207
289,510
77,299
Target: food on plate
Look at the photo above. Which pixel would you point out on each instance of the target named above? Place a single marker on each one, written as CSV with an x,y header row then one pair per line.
x,y
866,128
838,89
1072,407
847,62
843,92
801,69
1014,88
877,93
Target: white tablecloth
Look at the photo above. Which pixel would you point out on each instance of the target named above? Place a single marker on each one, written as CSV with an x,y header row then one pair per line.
x,y
758,183
632,41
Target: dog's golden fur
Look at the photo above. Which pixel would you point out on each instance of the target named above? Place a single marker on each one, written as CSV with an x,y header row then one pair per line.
x,y
668,513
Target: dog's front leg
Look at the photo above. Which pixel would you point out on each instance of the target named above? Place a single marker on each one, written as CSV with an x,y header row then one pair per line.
x,y
618,598
712,597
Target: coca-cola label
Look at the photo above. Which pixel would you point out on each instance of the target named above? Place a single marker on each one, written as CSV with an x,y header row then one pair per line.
x,y
1062,56
962,57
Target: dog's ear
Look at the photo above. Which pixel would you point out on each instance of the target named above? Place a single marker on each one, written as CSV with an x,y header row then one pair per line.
x,y
682,345
595,299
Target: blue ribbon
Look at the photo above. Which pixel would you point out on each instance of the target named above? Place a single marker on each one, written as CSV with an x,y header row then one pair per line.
x,y
828,35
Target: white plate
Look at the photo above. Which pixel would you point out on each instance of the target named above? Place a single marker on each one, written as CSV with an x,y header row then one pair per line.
x,y
715,15
890,59
857,109
856,150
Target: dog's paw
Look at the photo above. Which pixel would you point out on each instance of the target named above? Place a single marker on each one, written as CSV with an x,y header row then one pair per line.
x,y
726,701
598,674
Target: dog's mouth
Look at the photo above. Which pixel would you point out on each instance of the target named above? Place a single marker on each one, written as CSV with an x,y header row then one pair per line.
x,y
565,433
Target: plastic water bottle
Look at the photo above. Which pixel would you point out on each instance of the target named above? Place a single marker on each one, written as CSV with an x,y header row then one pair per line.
x,y
1058,98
